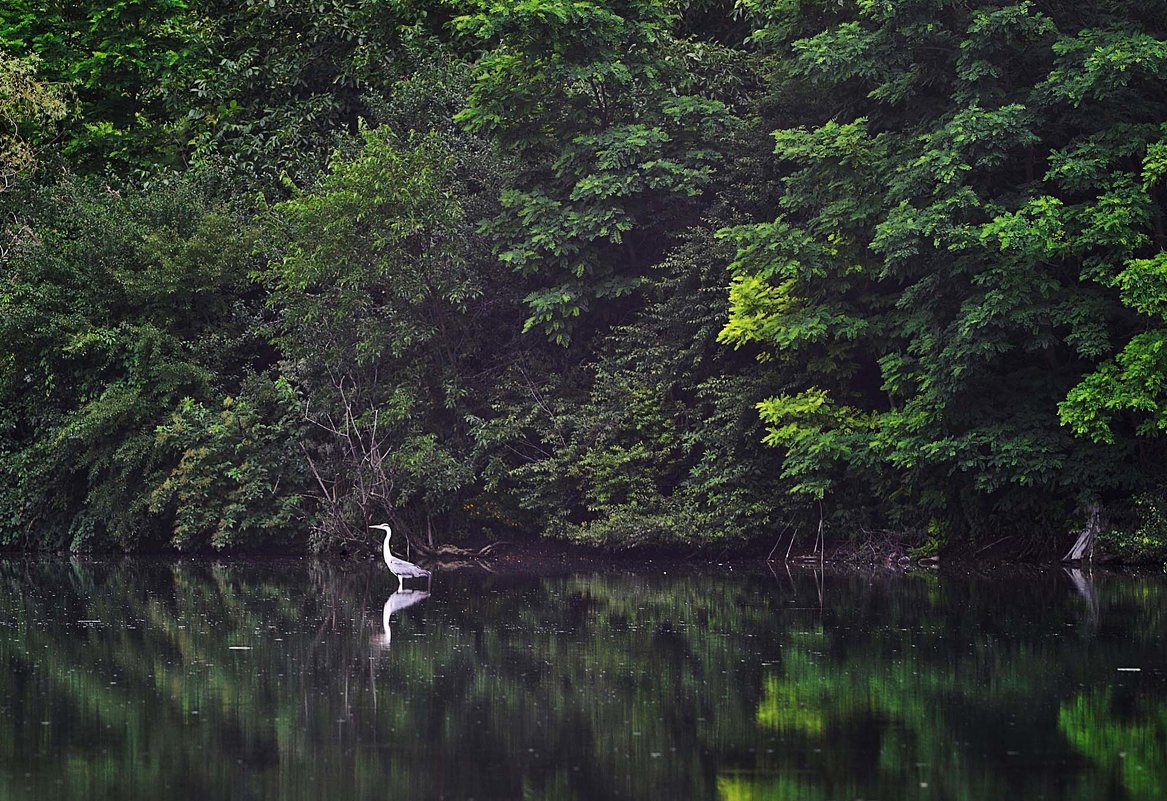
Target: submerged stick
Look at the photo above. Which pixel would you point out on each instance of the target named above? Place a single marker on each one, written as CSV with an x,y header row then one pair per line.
x,y
778,541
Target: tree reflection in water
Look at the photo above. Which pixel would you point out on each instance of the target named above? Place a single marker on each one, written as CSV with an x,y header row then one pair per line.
x,y
127,679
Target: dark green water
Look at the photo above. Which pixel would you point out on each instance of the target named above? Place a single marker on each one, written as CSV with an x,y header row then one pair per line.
x,y
162,680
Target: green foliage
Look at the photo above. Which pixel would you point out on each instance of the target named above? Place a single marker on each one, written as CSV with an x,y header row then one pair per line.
x,y
128,63
656,443
938,537
28,107
615,146
1143,538
819,438
239,479
288,78
482,290
375,275
118,308
942,268
260,87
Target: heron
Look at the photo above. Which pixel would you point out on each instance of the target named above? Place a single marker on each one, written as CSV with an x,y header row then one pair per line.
x,y
399,567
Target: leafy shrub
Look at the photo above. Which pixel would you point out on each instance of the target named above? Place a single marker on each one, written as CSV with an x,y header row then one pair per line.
x,y
1145,540
239,480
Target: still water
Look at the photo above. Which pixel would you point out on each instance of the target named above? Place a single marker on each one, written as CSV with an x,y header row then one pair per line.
x,y
143,679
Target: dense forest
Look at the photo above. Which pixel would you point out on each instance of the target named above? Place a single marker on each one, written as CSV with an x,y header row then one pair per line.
x,y
669,273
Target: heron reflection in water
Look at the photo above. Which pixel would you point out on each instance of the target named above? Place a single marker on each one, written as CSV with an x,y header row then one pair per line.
x,y
401,599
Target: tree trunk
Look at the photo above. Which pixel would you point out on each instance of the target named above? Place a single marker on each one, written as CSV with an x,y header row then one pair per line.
x,y
1083,547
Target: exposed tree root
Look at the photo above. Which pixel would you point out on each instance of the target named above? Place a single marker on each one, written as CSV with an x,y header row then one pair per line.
x,y
453,552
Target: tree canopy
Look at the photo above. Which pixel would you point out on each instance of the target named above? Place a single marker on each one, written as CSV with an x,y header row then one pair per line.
x,y
630,272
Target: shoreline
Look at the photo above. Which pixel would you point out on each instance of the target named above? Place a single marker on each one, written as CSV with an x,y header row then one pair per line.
x,y
888,552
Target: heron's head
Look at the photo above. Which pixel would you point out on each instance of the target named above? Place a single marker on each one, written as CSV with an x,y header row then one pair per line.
x,y
383,527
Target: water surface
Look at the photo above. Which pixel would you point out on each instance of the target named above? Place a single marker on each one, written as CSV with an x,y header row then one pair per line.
x,y
148,679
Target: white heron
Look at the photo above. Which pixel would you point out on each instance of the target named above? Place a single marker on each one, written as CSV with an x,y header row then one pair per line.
x,y
399,567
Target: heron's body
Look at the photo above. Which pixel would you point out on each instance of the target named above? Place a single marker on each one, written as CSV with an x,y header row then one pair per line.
x,y
402,568
399,567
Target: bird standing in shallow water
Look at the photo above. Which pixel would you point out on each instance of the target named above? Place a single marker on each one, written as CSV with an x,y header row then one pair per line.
x,y
399,567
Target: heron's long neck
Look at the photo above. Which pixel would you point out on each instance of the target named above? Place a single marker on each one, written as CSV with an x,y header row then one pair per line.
x,y
385,547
